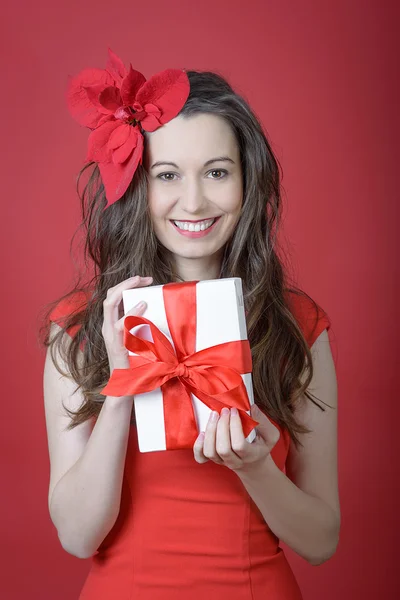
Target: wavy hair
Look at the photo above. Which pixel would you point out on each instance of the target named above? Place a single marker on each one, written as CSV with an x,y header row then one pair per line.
x,y
120,242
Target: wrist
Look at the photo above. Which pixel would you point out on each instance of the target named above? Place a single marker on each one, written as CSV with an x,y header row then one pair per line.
x,y
122,363
260,470
118,401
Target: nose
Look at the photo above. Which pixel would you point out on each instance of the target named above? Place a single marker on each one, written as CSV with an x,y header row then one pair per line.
x,y
192,200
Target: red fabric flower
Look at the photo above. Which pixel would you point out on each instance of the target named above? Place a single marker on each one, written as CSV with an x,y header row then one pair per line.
x,y
115,103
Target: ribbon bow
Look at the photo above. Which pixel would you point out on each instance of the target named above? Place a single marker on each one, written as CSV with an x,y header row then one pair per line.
x,y
113,102
212,374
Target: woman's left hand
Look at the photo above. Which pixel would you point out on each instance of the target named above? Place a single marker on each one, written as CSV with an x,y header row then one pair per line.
x,y
224,443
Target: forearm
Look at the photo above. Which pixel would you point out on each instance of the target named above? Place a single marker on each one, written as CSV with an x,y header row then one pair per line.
x,y
86,501
305,523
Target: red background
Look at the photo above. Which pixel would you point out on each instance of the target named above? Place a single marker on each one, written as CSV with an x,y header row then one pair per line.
x,y
322,78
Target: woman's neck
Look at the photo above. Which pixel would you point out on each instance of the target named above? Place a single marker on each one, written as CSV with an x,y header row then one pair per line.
x,y
198,269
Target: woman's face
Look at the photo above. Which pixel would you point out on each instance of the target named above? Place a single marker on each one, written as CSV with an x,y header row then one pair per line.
x,y
194,203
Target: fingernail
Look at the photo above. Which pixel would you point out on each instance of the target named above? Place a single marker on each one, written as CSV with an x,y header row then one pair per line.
x,y
225,411
214,416
234,411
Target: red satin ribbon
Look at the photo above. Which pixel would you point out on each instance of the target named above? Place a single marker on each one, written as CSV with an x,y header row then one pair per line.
x,y
212,374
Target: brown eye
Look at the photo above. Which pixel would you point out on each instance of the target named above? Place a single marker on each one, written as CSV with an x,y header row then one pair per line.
x,y
162,175
219,171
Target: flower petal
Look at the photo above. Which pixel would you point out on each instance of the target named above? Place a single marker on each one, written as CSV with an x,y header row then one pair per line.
x,y
150,123
168,90
119,136
122,153
110,98
151,109
98,142
151,120
116,178
79,104
115,67
93,93
130,86
104,118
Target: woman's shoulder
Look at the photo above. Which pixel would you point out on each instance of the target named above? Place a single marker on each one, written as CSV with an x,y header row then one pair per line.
x,y
310,316
72,303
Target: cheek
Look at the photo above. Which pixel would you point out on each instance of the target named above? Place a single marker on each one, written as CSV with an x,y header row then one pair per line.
x,y
232,203
231,197
159,206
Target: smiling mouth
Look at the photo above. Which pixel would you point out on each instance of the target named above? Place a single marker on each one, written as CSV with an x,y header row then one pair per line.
x,y
195,226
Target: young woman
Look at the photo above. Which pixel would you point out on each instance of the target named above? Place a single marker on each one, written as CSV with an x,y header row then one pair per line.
x,y
203,203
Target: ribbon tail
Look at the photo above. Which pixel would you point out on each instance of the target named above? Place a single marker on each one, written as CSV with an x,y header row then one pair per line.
x,y
248,423
238,399
180,421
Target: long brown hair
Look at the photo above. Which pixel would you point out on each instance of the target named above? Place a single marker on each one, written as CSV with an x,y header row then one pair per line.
x,y
119,242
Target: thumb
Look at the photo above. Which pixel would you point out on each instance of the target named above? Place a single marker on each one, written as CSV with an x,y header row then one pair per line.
x,y
266,429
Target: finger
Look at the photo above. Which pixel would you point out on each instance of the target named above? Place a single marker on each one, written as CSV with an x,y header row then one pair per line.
x,y
266,430
134,281
223,437
137,282
111,304
224,444
198,449
238,441
136,311
115,293
210,433
139,308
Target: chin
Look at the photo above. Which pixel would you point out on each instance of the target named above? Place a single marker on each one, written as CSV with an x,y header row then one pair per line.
x,y
192,253
194,249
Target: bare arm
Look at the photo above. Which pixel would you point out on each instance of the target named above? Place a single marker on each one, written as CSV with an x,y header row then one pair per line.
x,y
84,501
302,508
87,463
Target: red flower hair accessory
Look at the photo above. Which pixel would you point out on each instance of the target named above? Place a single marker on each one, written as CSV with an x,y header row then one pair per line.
x,y
116,104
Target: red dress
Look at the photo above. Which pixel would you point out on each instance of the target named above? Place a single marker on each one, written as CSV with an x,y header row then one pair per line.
x,y
190,531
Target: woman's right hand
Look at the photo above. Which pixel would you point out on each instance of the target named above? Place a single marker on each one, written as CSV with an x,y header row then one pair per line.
x,y
113,323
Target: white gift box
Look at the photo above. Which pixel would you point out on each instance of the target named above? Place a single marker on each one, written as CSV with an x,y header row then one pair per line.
x,y
220,318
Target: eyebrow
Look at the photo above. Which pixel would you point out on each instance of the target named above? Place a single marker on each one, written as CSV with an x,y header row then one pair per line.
x,y
208,162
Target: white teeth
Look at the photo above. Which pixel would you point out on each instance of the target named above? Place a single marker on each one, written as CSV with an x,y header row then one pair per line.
x,y
200,226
